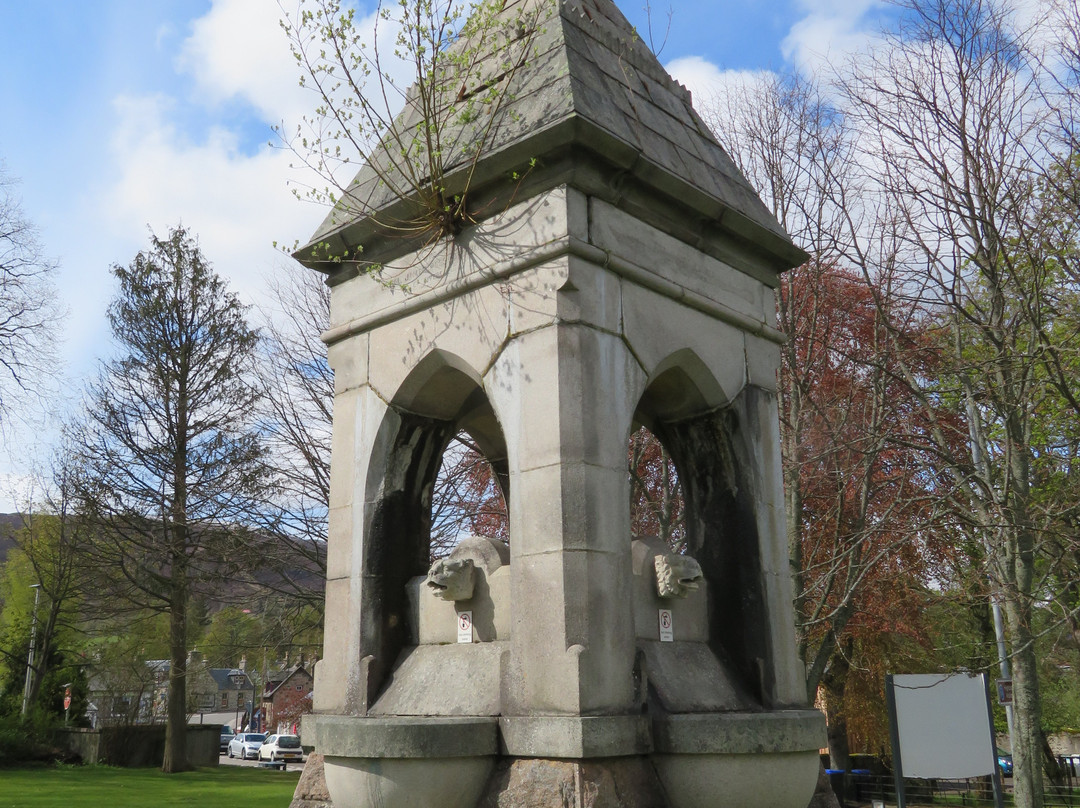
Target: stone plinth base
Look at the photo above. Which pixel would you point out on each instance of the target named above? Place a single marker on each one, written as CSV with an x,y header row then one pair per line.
x,y
824,797
706,760
405,761
626,782
311,791
407,782
784,780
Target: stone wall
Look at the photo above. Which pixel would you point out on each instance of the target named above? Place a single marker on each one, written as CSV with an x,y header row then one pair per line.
x,y
139,746
1064,743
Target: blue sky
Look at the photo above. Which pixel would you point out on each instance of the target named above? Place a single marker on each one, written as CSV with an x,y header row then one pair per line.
x,y
116,115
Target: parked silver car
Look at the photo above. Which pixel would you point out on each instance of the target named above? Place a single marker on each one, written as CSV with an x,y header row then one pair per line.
x,y
246,744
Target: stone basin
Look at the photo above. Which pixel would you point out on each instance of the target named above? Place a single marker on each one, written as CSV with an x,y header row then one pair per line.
x,y
413,762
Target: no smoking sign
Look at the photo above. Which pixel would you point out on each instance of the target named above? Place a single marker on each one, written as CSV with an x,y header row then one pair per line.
x,y
464,626
667,628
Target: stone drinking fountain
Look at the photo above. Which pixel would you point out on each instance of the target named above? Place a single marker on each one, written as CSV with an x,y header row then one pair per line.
x,y
620,273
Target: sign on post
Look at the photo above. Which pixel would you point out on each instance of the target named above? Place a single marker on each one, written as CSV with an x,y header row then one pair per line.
x,y
1004,689
941,726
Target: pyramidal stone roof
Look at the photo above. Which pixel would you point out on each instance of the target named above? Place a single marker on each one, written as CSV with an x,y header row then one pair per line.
x,y
587,79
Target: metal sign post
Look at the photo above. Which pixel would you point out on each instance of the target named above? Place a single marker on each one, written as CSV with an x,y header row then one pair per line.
x,y
999,792
894,740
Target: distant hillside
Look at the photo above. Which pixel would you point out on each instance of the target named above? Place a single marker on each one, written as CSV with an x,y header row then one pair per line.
x,y
9,523
305,570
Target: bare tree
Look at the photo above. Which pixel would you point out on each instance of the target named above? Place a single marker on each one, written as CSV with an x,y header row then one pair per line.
x,y
657,501
796,150
300,388
952,108
53,540
172,464
29,312
853,495
295,413
467,499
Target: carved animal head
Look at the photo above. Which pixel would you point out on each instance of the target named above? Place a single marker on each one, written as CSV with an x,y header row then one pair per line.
x,y
676,575
452,578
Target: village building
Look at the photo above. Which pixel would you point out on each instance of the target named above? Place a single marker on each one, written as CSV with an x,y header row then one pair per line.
x,y
286,697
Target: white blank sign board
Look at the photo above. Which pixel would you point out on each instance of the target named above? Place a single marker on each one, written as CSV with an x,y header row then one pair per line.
x,y
943,725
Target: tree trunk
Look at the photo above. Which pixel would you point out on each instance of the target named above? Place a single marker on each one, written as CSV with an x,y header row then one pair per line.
x,y
1017,599
835,682
176,759
1026,747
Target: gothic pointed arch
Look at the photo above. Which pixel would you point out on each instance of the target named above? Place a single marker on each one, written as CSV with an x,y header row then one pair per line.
x,y
685,407
441,397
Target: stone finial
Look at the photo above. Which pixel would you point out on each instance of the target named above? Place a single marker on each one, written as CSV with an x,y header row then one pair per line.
x,y
676,575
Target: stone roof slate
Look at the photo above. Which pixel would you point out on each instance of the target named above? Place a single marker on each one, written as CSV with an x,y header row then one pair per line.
x,y
588,63
279,678
224,682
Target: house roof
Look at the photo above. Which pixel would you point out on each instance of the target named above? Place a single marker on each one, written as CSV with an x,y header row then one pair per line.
x,y
589,80
277,679
221,677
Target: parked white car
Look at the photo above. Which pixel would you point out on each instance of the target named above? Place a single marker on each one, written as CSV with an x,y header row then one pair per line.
x,y
246,744
280,748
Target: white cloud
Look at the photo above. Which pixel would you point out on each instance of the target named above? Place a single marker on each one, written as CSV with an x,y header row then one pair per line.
x,y
828,31
238,50
16,491
705,80
161,165
8,502
164,33
237,203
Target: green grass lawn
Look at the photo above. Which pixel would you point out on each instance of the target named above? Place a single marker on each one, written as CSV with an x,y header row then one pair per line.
x,y
106,787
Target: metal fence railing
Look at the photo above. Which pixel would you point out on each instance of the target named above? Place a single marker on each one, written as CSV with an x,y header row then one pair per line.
x,y
863,788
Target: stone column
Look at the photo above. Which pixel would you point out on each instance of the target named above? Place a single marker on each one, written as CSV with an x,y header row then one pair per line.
x,y
357,414
567,393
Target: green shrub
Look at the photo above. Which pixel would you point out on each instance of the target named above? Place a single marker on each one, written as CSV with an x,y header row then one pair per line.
x,y
29,740
20,743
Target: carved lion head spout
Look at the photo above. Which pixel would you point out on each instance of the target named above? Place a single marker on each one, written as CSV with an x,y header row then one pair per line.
x,y
676,575
452,578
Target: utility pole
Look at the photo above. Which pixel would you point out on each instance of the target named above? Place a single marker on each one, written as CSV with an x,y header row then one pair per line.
x,y
256,728
30,655
236,676
1003,664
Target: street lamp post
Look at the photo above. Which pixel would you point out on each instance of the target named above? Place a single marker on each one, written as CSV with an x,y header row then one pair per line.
x,y
252,722
30,655
236,676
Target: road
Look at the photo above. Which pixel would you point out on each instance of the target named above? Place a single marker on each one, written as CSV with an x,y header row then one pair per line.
x,y
225,760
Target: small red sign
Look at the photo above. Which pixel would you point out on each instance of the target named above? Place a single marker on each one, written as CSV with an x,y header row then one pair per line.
x,y
67,699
